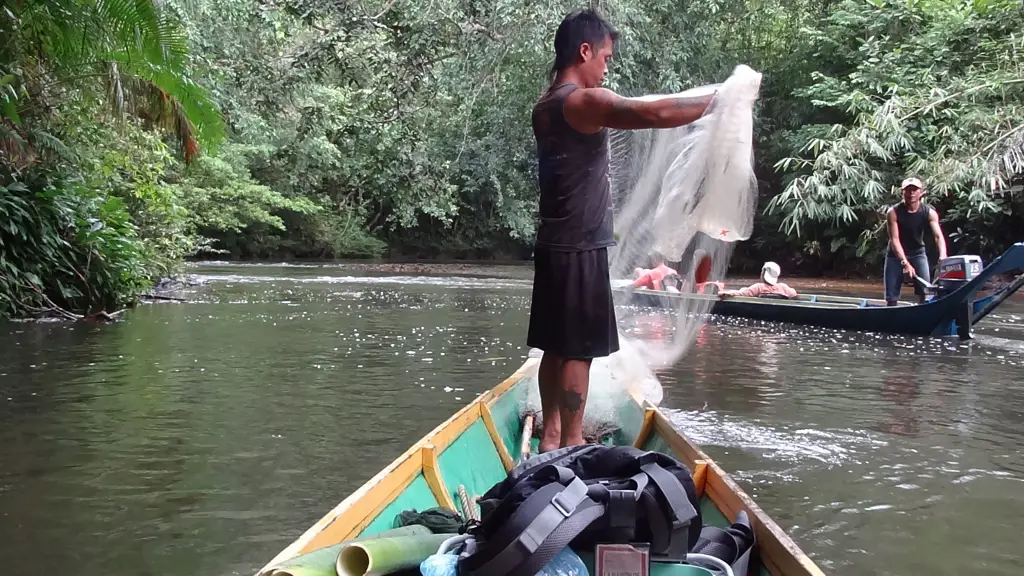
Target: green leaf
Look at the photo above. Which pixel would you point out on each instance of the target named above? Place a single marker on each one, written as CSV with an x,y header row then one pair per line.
x,y
9,110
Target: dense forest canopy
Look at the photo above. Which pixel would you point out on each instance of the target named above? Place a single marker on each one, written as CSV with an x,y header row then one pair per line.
x,y
137,133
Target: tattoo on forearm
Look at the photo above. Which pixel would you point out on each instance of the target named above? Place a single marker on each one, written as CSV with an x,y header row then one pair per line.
x,y
572,401
624,107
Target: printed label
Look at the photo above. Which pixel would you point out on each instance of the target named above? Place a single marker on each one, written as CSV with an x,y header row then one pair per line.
x,y
621,560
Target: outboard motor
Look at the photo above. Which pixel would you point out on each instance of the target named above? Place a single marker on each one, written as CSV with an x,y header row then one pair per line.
x,y
956,271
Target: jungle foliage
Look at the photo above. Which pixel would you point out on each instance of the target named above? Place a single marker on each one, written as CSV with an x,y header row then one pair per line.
x,y
135,134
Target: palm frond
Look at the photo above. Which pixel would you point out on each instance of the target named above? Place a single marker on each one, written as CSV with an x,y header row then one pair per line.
x,y
139,49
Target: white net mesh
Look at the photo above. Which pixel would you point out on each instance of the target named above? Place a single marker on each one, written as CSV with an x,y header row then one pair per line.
x,y
613,381
688,193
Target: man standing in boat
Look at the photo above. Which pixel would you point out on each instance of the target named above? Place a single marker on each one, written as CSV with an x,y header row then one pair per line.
x,y
906,255
572,316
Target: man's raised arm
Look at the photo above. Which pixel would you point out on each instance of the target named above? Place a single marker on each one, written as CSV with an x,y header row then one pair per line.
x,y
588,110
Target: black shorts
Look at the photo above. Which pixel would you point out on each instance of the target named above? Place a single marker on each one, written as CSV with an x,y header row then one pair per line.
x,y
572,313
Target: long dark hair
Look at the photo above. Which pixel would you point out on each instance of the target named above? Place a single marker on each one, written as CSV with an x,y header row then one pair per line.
x,y
578,28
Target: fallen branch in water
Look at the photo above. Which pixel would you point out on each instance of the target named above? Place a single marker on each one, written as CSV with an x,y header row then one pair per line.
x,y
53,308
158,297
105,316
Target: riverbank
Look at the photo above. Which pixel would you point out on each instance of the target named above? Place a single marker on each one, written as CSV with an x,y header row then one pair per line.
x,y
524,270
173,288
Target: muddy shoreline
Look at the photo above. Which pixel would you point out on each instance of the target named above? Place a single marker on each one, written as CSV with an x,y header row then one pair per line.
x,y
524,270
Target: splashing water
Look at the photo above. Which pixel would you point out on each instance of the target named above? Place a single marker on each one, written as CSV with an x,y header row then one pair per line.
x,y
688,193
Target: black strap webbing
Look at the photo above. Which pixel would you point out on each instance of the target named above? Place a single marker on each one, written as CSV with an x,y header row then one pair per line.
x,y
658,523
553,458
674,493
670,536
548,520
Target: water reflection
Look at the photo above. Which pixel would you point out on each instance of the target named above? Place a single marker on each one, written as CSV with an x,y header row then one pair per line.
x,y
880,454
203,437
900,390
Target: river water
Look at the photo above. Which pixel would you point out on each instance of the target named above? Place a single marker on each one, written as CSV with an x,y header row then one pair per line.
x,y
202,437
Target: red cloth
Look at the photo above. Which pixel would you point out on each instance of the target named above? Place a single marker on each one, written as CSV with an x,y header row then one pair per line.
x,y
652,278
706,285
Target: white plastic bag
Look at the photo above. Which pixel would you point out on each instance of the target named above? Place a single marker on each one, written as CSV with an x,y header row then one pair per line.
x,y
565,563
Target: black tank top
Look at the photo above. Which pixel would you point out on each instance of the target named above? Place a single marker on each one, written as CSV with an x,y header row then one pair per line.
x,y
575,190
911,226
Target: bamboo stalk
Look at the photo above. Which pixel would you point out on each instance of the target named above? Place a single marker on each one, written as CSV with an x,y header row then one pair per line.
x,y
323,562
524,449
387,555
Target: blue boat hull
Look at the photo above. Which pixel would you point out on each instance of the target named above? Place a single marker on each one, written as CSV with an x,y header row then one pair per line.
x,y
952,315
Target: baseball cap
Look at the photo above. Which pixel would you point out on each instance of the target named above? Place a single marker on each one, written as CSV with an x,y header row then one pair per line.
x,y
770,271
912,182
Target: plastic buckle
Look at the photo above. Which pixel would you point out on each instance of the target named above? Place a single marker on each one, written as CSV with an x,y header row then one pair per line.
x,y
630,495
678,524
561,505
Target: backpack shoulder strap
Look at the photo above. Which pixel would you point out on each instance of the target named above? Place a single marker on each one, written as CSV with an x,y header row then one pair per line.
x,y
671,536
542,525
674,493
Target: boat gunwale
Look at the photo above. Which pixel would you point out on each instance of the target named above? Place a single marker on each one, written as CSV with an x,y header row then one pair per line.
x,y
415,451
778,552
781,546
834,302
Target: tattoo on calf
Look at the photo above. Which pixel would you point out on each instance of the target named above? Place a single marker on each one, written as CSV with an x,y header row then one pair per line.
x,y
572,401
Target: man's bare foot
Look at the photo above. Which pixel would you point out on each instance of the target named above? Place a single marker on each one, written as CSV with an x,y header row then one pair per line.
x,y
573,442
550,439
547,447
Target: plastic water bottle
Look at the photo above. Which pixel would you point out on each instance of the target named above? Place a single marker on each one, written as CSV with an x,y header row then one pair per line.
x,y
565,563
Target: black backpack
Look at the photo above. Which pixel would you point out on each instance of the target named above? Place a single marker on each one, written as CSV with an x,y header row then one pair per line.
x,y
583,496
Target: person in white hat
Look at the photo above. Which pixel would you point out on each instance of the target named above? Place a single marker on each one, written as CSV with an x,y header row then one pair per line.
x,y
768,286
906,255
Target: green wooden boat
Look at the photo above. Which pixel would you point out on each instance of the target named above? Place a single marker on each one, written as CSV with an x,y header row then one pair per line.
x,y
474,449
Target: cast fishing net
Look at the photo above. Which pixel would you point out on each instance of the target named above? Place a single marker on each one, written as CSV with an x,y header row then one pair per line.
x,y
688,193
